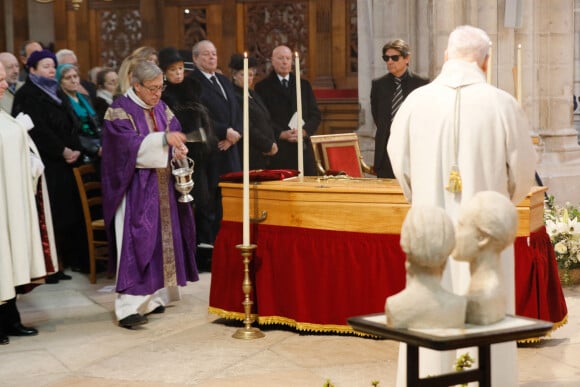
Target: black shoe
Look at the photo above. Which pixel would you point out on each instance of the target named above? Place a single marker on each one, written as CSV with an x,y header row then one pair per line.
x,y
61,276
20,330
160,309
132,320
4,339
52,279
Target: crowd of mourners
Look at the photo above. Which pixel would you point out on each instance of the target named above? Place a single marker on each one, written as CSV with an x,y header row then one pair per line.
x,y
132,123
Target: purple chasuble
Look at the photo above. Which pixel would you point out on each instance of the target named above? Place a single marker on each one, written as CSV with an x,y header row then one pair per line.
x,y
141,261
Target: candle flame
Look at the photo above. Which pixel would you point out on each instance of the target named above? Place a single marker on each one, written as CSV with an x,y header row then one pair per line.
x,y
245,54
296,54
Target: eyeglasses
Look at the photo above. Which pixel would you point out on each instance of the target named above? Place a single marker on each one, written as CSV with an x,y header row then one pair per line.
x,y
394,58
154,89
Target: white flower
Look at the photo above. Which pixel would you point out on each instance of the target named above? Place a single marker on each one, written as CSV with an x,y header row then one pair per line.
x,y
561,248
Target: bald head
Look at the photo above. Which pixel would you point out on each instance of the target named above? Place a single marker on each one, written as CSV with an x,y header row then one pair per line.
x,y
282,60
28,47
10,63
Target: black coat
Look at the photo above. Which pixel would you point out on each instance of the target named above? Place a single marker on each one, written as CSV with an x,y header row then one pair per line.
x,y
224,114
54,129
281,103
261,129
382,90
183,99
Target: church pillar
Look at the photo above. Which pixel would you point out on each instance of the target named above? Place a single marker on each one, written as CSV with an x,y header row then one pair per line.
x,y
381,21
553,62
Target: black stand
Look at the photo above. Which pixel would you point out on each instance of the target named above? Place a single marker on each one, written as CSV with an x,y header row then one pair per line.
x,y
510,329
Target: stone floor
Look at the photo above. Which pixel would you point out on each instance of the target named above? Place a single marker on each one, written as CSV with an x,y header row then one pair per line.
x,y
80,345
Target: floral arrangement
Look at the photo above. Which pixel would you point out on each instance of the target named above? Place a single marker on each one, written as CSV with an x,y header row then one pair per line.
x,y
564,230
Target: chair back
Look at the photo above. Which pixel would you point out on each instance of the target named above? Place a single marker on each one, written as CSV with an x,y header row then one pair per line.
x,y
339,153
89,188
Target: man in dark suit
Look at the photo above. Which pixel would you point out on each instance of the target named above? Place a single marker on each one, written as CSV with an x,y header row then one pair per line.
x,y
387,96
278,91
217,95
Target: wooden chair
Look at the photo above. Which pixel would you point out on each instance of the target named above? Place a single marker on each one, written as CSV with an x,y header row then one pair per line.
x,y
90,193
339,153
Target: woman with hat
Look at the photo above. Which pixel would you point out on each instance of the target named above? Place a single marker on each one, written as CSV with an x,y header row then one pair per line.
x,y
181,94
58,143
262,140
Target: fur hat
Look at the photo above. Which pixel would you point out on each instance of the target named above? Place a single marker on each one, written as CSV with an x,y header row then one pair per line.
x,y
188,60
37,56
168,56
237,62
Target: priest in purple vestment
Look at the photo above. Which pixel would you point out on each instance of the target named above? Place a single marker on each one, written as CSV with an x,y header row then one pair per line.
x,y
151,235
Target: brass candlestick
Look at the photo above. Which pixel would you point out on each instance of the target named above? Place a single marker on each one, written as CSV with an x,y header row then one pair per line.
x,y
248,332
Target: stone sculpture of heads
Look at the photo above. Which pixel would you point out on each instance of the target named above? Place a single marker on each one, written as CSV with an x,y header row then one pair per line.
x,y
487,224
427,238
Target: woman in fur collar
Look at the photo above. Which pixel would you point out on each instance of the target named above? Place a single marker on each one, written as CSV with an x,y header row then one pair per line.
x,y
181,94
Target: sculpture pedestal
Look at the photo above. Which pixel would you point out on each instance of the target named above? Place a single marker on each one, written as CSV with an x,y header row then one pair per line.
x,y
481,336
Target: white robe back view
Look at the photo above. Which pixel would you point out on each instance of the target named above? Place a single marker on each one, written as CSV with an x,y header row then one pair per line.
x,y
493,151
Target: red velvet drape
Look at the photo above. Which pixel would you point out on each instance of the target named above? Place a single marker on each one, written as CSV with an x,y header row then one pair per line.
x,y
306,275
538,290
314,278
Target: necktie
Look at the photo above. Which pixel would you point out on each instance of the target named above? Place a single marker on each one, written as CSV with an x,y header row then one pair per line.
x,y
397,97
217,85
12,88
285,83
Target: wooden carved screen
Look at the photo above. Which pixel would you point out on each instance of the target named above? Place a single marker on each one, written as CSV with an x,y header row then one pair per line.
x,y
352,37
194,26
270,24
120,34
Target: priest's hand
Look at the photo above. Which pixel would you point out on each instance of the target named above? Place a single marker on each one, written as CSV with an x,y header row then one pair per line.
x,y
175,139
181,152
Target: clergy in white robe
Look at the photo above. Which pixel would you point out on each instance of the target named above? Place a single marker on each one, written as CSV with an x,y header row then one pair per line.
x,y
461,124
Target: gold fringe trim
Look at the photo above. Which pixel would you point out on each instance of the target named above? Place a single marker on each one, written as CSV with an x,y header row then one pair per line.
x,y
557,325
299,326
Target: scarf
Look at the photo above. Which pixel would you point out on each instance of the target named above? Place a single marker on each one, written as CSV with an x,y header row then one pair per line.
x,y
85,112
48,85
106,95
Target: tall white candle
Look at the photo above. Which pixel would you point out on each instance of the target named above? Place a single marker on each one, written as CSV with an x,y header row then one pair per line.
x,y
299,116
489,65
246,157
519,75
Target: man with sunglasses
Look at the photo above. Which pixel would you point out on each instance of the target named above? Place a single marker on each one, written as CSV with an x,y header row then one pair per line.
x,y
387,94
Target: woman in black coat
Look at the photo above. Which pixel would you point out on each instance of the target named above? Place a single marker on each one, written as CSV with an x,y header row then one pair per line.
x,y
181,94
57,140
262,139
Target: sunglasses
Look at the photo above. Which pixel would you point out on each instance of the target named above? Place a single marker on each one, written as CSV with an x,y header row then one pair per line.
x,y
394,58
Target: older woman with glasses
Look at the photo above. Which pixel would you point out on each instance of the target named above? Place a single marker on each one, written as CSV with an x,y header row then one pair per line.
x,y
262,138
85,118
